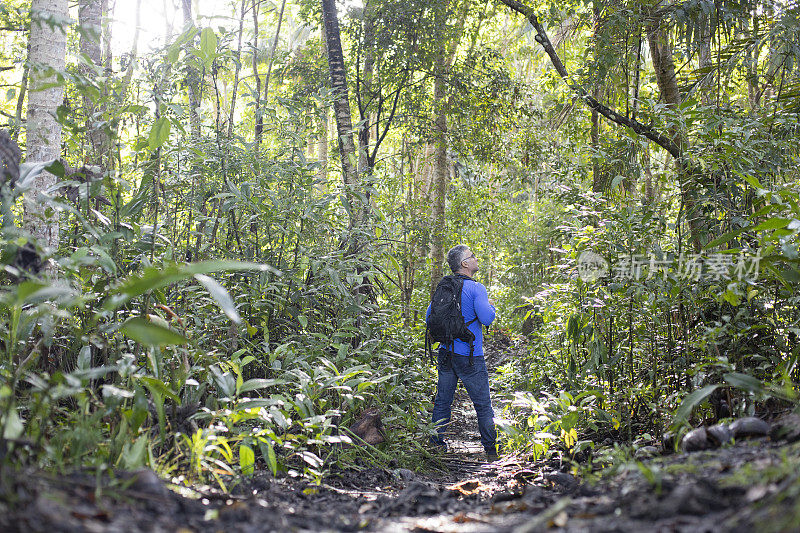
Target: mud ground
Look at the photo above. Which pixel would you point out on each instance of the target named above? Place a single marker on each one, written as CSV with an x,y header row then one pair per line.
x,y
750,486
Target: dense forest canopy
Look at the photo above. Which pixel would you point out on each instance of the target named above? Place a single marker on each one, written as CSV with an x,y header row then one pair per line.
x,y
222,222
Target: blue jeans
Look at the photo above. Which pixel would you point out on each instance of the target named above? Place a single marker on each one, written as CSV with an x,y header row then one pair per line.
x,y
476,380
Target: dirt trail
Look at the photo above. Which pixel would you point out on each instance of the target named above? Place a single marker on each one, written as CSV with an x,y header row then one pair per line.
x,y
752,485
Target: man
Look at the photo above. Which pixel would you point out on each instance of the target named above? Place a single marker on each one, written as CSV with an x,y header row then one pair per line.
x,y
454,361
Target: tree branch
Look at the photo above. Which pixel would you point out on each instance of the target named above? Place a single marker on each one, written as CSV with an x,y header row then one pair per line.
x,y
641,129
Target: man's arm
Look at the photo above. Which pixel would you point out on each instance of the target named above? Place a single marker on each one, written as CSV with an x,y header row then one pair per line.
x,y
483,309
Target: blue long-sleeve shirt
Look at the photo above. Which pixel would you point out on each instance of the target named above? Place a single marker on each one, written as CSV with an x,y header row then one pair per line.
x,y
474,303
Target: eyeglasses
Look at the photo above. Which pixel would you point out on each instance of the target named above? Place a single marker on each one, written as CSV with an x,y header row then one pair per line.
x,y
470,257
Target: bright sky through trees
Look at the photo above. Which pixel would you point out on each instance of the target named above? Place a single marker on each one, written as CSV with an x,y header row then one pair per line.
x,y
160,16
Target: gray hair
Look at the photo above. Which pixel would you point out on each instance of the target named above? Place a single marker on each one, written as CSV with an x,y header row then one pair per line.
x,y
455,256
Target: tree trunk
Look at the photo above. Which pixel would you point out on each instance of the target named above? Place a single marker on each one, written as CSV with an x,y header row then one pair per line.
x,y
90,17
48,47
259,119
364,90
23,89
341,109
237,68
443,60
706,81
192,77
597,179
275,48
324,129
322,151
441,174
664,66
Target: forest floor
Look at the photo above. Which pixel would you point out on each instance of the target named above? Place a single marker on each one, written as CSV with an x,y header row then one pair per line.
x,y
750,486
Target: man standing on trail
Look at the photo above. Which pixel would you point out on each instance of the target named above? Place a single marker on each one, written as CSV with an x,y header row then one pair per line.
x,y
456,361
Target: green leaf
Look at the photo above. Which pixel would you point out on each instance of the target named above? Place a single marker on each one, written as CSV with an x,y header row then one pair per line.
x,y
744,382
145,332
247,459
220,296
268,451
726,237
690,402
159,388
791,275
773,223
208,45
751,180
732,298
12,425
133,455
159,133
258,383
157,277
27,288
28,171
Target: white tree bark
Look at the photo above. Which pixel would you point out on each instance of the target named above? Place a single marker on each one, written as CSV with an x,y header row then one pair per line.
x,y
48,47
90,18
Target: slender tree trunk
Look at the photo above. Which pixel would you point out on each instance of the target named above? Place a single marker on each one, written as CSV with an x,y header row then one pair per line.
x,y
23,89
364,90
597,179
90,18
322,150
237,68
341,108
193,78
706,66
445,53
752,58
664,66
259,118
48,47
275,48
324,129
440,174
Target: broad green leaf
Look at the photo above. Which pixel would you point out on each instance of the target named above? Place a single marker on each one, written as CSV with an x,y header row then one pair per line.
x,y
208,45
690,402
29,171
773,223
247,459
791,275
751,180
133,455
744,382
145,332
257,384
157,277
159,133
268,451
111,391
726,237
159,388
220,296
396,265
732,298
12,425
27,288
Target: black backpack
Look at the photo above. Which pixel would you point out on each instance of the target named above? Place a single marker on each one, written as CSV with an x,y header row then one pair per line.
x,y
446,323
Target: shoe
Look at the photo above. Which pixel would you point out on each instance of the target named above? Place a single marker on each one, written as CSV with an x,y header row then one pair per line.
x,y
440,447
